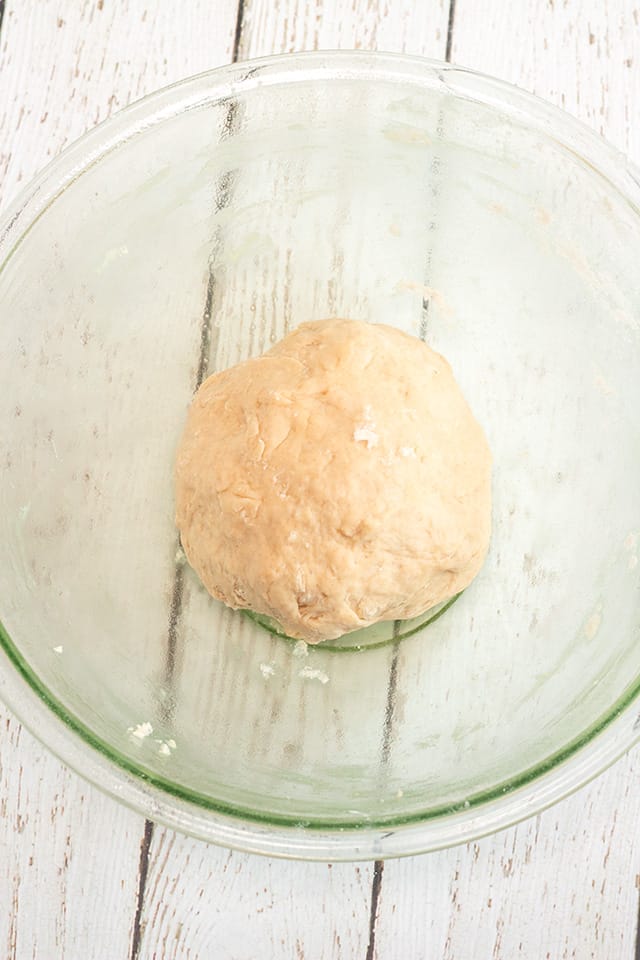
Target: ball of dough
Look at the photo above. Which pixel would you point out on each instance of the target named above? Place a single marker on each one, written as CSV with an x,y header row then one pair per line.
x,y
338,480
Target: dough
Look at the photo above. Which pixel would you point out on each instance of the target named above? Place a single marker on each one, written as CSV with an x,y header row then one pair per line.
x,y
338,480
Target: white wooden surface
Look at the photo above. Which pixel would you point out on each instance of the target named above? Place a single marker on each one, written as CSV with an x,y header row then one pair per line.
x,y
81,877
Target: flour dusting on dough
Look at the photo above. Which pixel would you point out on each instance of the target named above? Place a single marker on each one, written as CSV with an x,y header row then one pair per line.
x,y
366,435
366,431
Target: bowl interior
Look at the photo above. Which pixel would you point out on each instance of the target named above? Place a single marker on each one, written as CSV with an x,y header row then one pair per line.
x,y
199,241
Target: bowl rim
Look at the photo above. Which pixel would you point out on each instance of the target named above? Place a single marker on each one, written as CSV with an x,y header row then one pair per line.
x,y
555,777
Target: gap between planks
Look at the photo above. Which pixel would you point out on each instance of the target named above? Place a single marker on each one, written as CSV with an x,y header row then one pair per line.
x,y
176,601
175,607
378,869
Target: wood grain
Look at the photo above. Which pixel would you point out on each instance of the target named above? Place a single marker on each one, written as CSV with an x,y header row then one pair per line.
x,y
343,926
69,855
203,901
584,56
65,70
562,885
288,26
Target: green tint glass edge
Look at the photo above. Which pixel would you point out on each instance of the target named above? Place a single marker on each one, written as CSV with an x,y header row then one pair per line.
x,y
473,802
331,646
204,802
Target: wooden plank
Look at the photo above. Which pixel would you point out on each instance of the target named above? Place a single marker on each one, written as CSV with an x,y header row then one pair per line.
x,y
584,56
560,885
561,869
202,901
227,680
575,863
64,71
288,26
61,74
65,888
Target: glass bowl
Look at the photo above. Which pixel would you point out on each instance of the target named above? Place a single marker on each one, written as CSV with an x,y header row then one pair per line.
x,y
194,230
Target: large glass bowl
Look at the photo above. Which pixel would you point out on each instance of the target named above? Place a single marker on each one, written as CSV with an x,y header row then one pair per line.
x,y
195,229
